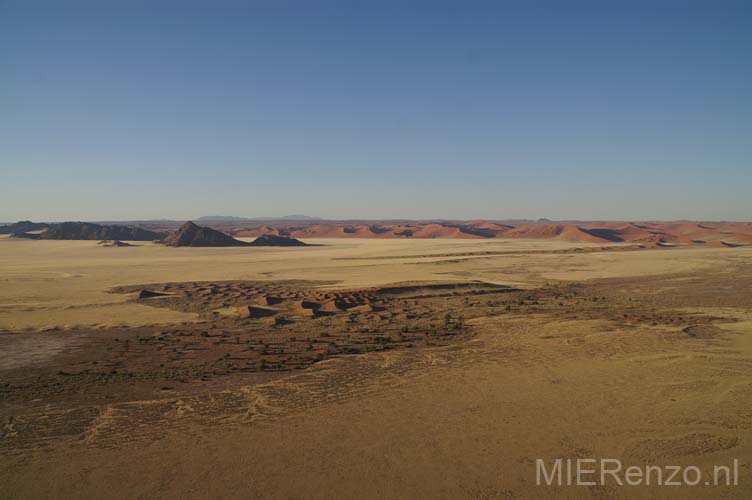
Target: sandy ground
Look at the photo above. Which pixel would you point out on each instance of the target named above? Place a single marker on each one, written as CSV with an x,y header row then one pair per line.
x,y
661,373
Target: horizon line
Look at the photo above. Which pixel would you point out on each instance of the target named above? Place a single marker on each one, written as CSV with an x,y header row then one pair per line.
x,y
353,220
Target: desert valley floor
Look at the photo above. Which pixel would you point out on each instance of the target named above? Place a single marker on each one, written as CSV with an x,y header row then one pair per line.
x,y
369,368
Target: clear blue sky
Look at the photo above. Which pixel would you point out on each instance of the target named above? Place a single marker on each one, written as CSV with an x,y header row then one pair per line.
x,y
563,109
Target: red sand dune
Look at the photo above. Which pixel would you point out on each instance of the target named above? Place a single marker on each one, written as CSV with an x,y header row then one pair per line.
x,y
497,229
441,231
560,231
650,233
322,231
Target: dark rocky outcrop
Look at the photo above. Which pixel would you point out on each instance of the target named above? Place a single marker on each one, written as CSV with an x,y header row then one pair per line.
x,y
271,240
114,243
192,235
91,231
22,226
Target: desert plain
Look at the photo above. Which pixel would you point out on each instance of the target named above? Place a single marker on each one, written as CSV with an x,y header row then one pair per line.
x,y
369,368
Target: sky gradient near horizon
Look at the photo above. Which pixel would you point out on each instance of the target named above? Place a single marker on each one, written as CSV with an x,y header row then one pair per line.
x,y
126,110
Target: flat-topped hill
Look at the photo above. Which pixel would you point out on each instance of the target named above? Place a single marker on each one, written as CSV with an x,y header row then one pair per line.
x,y
91,231
272,240
22,226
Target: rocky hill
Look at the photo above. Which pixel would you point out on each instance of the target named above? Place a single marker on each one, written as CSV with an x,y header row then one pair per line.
x,y
192,235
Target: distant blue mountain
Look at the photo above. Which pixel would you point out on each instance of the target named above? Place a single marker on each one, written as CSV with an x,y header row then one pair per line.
x,y
231,218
